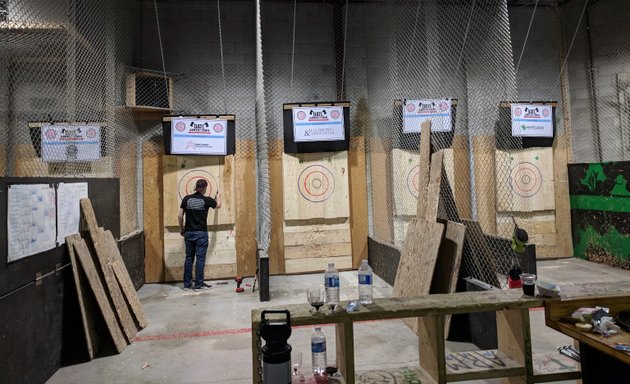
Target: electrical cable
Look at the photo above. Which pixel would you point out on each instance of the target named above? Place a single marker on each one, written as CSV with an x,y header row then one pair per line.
x,y
157,21
461,52
566,56
293,42
343,64
531,20
222,61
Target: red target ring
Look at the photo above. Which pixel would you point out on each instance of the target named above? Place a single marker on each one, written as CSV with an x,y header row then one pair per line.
x,y
316,183
187,183
525,179
413,185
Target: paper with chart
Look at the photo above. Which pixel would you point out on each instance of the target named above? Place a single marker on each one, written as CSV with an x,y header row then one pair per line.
x,y
68,211
31,216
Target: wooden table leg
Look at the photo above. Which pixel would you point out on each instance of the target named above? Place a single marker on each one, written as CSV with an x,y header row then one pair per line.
x,y
515,342
344,334
431,347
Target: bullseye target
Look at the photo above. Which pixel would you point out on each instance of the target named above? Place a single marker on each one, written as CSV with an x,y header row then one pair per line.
x,y
525,179
188,181
316,183
413,181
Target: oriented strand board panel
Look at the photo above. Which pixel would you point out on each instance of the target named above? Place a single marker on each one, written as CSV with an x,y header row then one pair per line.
x,y
182,172
152,173
316,186
87,263
406,176
484,151
125,169
525,180
86,301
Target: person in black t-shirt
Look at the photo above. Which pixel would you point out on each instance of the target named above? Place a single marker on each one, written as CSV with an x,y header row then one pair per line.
x,y
195,207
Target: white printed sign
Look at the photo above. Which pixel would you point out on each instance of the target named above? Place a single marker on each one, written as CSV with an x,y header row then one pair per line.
x,y
31,215
198,136
532,120
318,124
68,210
71,142
438,112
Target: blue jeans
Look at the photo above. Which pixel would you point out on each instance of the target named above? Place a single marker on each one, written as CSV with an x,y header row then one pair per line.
x,y
196,245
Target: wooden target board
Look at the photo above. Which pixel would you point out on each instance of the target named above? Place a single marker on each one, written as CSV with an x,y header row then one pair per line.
x,y
405,170
315,186
182,172
525,180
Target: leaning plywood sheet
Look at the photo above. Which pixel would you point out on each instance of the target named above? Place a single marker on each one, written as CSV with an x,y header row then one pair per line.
x,y
406,178
315,186
417,260
86,303
87,263
88,220
122,275
478,253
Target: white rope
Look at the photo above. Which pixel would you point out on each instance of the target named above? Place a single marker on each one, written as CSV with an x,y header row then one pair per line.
x,y
531,20
222,62
461,52
293,42
343,65
566,56
157,21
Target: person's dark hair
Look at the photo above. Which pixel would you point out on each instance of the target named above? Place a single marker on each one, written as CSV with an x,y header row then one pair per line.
x,y
201,184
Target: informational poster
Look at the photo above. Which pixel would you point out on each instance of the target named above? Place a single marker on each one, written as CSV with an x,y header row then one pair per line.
x,y
438,112
318,124
31,219
68,209
532,120
71,142
198,136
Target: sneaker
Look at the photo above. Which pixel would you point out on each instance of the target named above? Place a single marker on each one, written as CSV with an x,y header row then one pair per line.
x,y
187,288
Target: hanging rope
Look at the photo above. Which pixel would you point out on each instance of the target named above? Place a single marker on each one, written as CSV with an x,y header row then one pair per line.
x,y
293,42
531,20
566,56
461,52
157,21
343,63
222,61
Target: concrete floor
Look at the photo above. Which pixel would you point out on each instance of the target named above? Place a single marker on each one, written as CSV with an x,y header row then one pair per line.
x,y
204,337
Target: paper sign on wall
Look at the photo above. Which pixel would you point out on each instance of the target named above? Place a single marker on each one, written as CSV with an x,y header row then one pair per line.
x,y
198,136
438,112
71,142
318,124
68,209
532,120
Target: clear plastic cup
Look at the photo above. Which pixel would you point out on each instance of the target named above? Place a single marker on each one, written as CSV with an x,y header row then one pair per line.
x,y
529,283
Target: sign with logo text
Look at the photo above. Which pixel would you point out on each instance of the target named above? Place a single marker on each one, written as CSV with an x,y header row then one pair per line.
x,y
71,142
198,136
318,124
532,120
438,112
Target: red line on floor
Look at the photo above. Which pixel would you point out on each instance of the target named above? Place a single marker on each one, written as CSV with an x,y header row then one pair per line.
x,y
537,309
234,331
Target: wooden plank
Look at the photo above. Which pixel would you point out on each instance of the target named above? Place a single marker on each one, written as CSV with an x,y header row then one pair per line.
x,y
514,340
276,245
318,251
214,271
344,342
405,168
245,166
219,240
561,197
423,171
461,176
482,256
125,169
550,367
381,170
484,150
318,235
417,261
212,258
87,263
315,185
317,264
433,189
358,199
477,365
431,346
153,212
86,303
448,262
122,275
105,258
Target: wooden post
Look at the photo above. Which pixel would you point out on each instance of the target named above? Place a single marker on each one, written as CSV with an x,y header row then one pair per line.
x,y
484,151
431,347
514,341
564,238
276,246
423,171
461,172
381,186
358,200
153,216
344,336
245,208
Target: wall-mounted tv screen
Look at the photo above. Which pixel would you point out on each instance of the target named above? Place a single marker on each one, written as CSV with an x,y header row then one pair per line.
x,y
209,135
316,127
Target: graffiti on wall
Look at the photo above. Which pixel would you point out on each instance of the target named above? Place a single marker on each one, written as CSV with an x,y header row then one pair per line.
x,y
600,212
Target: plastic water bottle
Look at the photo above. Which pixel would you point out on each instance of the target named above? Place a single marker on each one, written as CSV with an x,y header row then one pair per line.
x,y
331,282
318,350
365,283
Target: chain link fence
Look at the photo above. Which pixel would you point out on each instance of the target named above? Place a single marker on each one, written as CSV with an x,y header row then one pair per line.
x,y
75,63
